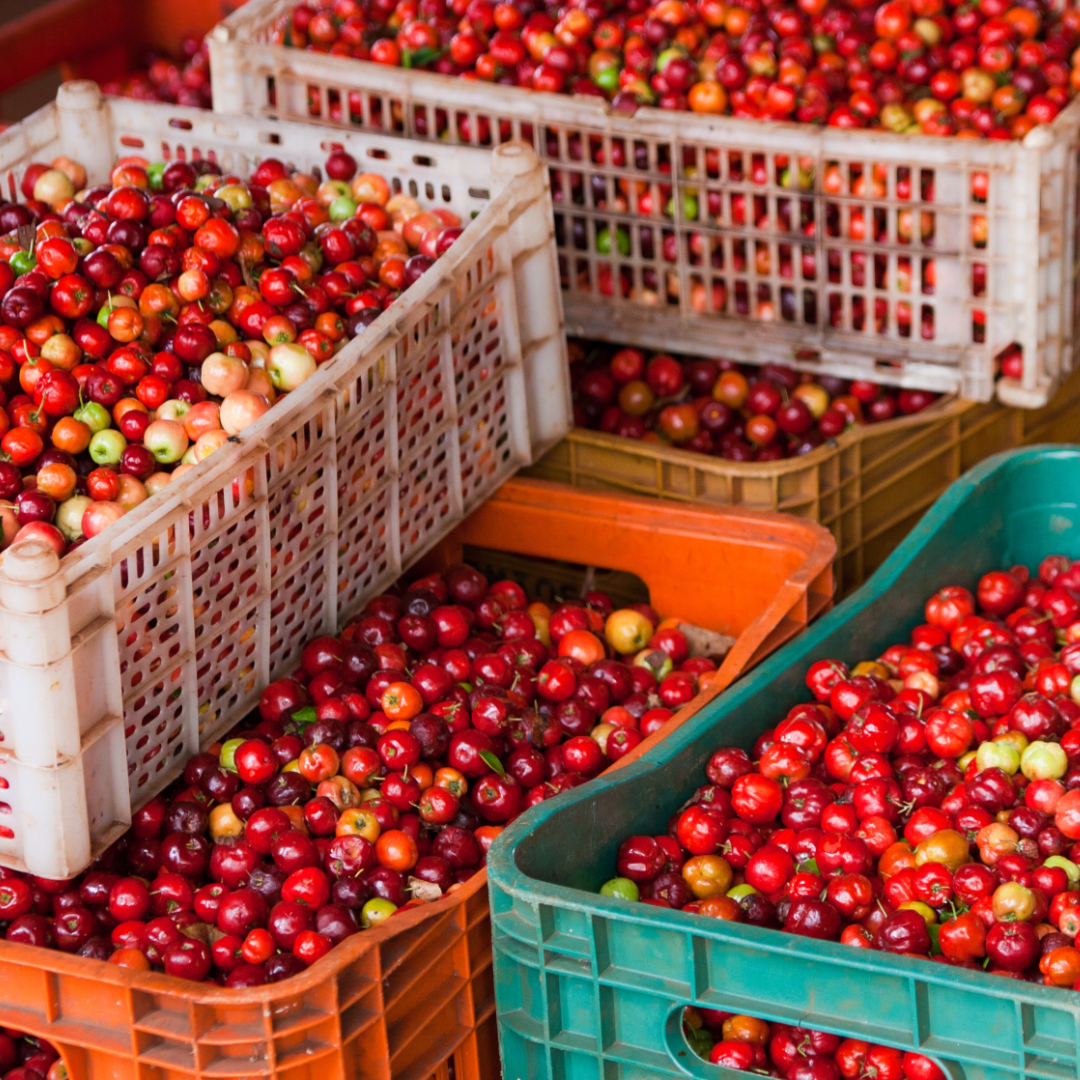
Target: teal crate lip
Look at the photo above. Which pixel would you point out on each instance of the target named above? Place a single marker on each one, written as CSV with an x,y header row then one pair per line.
x,y
505,876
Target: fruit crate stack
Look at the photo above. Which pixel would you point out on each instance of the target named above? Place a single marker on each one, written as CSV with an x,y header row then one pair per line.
x,y
576,972
387,459
661,245
578,987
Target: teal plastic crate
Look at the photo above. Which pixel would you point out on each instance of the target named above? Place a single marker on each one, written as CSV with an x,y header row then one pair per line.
x,y
590,988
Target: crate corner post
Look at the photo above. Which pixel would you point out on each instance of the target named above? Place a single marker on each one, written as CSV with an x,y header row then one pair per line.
x,y
61,720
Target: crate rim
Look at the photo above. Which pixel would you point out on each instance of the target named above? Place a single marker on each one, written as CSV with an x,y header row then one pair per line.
x,y
234,29
502,859
820,553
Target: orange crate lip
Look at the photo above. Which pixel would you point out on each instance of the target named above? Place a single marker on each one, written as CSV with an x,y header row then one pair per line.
x,y
358,1010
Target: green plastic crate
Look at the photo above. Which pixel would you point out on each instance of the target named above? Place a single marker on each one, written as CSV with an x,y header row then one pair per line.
x,y
590,988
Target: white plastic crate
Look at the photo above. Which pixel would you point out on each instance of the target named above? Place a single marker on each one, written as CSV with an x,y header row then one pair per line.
x,y
152,639
843,316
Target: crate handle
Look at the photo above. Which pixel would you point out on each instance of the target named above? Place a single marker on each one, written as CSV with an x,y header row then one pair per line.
x,y
687,1062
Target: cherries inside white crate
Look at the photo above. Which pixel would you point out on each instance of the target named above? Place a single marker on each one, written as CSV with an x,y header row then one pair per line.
x,y
147,643
750,280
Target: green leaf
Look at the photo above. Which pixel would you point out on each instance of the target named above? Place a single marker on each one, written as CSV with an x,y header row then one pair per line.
x,y
306,715
420,57
809,867
492,762
935,945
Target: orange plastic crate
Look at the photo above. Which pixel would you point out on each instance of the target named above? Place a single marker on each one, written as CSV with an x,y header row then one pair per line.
x,y
414,998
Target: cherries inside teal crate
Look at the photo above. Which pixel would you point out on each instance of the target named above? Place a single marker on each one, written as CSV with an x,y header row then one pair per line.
x,y
592,988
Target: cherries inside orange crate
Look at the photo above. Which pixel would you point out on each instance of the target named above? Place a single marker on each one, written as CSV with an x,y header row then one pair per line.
x,y
409,956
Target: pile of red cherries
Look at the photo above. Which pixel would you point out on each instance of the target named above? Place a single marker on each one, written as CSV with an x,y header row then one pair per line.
x,y
26,1057
926,802
146,321
372,780
990,69
719,407
179,80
